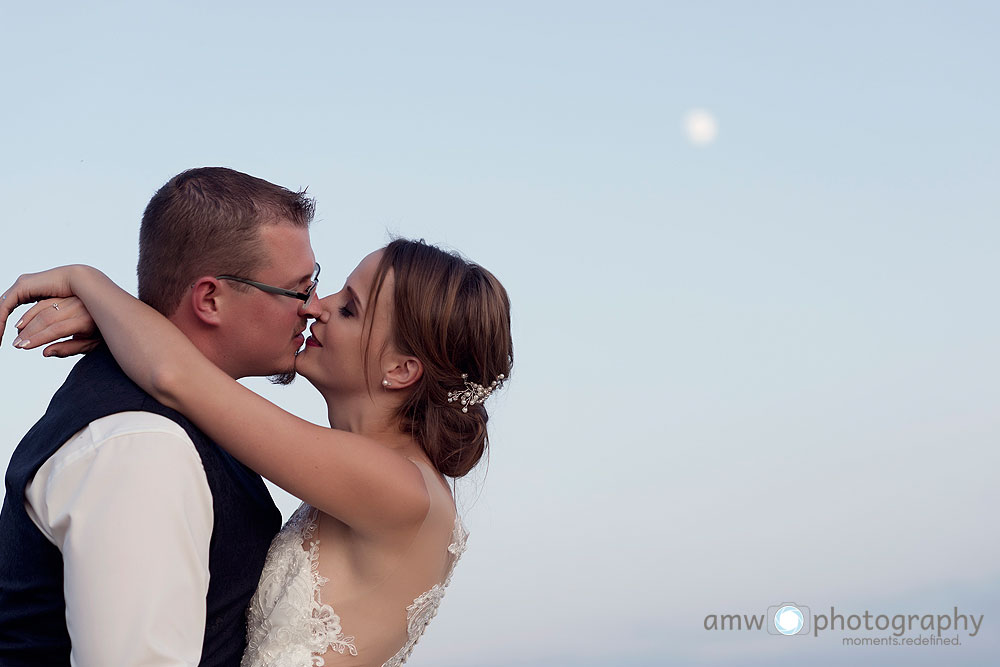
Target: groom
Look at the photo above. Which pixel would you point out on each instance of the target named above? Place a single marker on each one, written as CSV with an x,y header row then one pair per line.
x,y
126,536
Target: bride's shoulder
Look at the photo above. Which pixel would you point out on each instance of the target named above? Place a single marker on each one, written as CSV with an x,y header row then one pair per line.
x,y
435,483
442,515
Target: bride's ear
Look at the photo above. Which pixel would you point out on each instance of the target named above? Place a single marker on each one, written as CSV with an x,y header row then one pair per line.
x,y
403,373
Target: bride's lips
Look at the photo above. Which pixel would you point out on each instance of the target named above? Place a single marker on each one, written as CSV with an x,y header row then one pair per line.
x,y
311,341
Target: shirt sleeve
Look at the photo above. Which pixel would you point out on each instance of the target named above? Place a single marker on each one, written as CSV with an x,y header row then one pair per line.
x,y
127,503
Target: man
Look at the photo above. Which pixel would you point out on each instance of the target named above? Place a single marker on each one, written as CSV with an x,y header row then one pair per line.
x,y
126,536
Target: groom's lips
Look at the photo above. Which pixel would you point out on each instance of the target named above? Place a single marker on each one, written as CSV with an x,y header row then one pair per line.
x,y
299,339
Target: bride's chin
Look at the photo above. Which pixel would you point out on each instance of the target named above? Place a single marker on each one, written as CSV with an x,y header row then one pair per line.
x,y
305,365
302,365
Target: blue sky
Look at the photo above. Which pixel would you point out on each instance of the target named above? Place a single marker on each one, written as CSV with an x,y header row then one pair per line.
x,y
755,371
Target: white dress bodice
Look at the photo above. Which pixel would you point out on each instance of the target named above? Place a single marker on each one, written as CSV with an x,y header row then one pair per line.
x,y
288,625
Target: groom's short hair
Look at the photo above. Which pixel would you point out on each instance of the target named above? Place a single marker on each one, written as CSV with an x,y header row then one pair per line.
x,y
207,221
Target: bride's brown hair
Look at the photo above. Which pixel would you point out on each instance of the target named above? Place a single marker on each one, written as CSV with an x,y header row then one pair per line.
x,y
454,316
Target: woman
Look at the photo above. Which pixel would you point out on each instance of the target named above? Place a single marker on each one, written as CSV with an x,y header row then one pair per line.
x,y
405,354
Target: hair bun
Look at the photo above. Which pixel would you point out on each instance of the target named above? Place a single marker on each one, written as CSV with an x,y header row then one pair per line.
x,y
454,316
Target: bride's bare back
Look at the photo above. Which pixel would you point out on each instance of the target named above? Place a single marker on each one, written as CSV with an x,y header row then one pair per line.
x,y
327,591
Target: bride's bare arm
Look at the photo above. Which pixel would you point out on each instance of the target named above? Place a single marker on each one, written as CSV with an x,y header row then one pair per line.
x,y
345,475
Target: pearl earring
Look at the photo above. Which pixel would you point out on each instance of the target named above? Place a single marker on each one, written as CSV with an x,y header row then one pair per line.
x,y
386,383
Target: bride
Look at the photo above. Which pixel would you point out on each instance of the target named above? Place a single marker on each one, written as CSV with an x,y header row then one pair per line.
x,y
405,354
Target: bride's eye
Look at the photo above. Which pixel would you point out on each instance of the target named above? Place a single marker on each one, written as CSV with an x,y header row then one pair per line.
x,y
346,312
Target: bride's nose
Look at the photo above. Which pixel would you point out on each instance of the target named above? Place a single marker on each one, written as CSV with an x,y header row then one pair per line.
x,y
322,308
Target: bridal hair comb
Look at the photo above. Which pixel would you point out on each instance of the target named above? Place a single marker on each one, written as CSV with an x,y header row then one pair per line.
x,y
473,393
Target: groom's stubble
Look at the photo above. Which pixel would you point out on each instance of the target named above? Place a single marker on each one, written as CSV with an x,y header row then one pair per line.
x,y
285,378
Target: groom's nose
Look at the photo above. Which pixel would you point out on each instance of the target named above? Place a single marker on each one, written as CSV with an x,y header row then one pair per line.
x,y
312,308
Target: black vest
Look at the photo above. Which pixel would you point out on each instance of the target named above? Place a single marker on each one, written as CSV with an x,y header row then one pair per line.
x,y
32,607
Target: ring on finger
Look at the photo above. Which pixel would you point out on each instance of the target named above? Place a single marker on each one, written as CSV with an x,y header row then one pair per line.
x,y
56,306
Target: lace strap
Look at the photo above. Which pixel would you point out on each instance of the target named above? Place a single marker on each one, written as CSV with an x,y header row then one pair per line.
x,y
425,606
327,630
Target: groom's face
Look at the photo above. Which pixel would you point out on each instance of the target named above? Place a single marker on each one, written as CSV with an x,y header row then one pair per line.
x,y
265,330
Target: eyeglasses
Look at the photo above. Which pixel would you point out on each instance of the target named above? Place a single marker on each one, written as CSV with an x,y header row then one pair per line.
x,y
305,297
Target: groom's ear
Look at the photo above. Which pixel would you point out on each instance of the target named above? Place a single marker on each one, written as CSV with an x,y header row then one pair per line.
x,y
205,300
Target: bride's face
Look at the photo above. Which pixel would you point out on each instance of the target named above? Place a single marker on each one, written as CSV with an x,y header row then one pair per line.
x,y
333,358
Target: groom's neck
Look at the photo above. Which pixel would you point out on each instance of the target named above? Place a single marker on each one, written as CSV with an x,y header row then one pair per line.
x,y
210,341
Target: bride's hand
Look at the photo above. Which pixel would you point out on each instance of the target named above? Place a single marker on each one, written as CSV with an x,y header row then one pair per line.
x,y
31,287
55,319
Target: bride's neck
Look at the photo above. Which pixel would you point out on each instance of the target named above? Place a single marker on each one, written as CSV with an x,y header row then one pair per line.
x,y
362,416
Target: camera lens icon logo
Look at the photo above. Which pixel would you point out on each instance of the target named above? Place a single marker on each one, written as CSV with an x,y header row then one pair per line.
x,y
788,619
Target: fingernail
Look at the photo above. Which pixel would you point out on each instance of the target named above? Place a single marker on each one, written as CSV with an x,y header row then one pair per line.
x,y
17,341
19,323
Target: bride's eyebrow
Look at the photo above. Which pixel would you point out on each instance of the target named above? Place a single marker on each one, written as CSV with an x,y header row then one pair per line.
x,y
354,296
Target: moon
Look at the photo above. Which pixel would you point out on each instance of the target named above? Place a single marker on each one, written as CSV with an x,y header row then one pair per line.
x,y
700,127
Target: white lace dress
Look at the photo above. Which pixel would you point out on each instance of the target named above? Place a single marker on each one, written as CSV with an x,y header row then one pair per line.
x,y
288,625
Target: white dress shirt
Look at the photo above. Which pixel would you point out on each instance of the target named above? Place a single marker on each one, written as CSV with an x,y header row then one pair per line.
x,y
127,502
